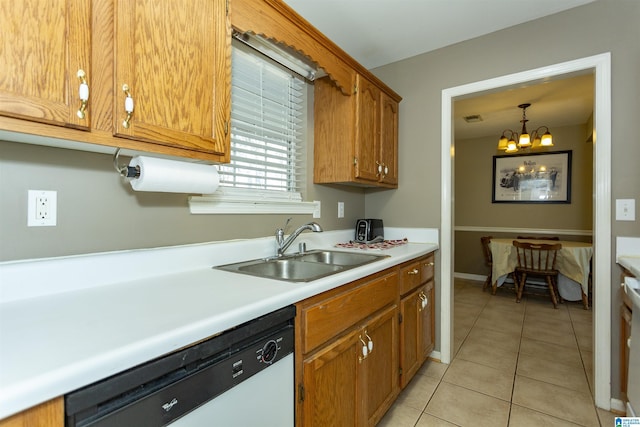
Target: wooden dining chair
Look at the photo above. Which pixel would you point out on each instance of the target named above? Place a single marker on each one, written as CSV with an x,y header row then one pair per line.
x,y
538,238
486,250
537,260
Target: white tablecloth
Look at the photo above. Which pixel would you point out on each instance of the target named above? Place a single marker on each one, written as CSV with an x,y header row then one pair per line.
x,y
573,263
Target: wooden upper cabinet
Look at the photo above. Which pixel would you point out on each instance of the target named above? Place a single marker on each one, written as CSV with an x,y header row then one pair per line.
x,y
367,137
389,140
44,45
172,78
355,137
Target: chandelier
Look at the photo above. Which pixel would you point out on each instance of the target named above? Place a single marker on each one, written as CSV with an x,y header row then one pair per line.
x,y
536,139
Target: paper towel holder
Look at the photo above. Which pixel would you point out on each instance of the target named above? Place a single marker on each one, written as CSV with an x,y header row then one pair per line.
x,y
125,171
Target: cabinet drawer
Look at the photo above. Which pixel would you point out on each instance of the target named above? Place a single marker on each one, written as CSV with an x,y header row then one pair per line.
x,y
427,268
416,273
410,277
334,315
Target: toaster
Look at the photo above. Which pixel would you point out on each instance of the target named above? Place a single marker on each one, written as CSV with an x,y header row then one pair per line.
x,y
369,231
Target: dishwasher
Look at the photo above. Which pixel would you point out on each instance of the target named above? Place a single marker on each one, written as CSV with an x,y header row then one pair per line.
x,y
241,377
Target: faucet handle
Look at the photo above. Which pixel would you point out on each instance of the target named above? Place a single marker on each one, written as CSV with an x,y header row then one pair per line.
x,y
286,224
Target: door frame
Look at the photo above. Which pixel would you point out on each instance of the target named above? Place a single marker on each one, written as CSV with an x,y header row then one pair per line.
x,y
600,65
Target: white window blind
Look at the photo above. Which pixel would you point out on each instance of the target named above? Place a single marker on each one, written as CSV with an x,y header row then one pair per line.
x,y
267,127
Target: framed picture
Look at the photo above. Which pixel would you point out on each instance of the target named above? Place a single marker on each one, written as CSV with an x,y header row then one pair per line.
x,y
532,178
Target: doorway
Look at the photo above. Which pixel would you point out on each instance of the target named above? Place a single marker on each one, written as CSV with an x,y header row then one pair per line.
x,y
600,66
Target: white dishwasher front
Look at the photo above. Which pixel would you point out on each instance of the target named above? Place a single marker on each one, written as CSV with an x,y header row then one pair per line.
x,y
266,399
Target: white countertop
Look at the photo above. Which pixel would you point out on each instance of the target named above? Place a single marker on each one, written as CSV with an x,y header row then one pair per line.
x,y
628,254
68,322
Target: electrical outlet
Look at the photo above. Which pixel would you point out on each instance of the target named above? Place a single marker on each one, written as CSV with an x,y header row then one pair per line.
x,y
42,208
340,209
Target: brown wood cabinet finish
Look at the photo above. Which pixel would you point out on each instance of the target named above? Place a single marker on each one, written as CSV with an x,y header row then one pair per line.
x,y
339,381
47,414
356,137
173,61
45,45
174,57
417,328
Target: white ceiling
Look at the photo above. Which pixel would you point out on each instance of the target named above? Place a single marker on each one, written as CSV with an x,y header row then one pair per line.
x,y
380,32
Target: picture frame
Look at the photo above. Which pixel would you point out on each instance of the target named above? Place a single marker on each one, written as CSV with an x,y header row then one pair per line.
x,y
532,178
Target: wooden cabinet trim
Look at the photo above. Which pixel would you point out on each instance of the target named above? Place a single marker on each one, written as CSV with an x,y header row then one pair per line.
x,y
333,315
47,414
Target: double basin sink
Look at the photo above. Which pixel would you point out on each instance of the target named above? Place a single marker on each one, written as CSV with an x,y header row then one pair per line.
x,y
302,267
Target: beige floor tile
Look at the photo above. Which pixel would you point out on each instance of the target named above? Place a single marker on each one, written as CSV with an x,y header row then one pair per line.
x,y
427,420
481,378
485,353
556,401
505,340
550,335
568,375
581,328
585,342
580,315
525,417
563,326
464,407
464,309
418,392
500,321
549,351
607,419
433,369
587,362
400,416
545,310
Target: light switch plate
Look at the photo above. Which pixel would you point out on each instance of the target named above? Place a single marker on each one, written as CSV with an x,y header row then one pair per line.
x,y
625,209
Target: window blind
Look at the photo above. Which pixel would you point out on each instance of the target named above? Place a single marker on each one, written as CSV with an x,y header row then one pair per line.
x,y
267,122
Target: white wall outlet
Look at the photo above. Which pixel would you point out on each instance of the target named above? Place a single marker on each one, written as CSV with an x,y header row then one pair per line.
x,y
42,208
317,212
340,209
625,209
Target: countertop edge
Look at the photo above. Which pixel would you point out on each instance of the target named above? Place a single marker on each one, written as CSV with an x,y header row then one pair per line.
x,y
21,395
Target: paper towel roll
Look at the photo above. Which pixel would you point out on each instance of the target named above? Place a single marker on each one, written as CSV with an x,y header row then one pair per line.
x,y
172,176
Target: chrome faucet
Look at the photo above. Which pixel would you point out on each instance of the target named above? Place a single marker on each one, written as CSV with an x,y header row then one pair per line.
x,y
283,243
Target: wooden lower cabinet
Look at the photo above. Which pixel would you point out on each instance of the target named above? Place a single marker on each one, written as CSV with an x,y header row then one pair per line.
x,y
344,385
47,414
417,316
358,344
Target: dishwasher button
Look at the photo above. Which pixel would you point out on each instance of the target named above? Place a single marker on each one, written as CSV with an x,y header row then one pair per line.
x,y
237,369
269,352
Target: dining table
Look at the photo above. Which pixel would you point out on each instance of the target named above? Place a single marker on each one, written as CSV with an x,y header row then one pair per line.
x,y
573,263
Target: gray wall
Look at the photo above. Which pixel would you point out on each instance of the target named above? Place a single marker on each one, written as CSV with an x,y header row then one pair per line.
x,y
474,208
602,26
98,211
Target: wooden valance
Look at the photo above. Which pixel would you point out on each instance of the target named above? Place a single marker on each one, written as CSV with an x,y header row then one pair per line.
x,y
276,21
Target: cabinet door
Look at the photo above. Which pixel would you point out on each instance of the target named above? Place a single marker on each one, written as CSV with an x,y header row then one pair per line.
x,y
410,342
389,140
331,384
172,60
381,365
427,330
44,45
367,130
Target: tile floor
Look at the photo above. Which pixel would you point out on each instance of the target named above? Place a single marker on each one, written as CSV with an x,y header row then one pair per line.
x,y
514,365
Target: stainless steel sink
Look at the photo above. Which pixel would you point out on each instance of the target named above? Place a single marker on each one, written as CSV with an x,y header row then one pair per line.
x,y
339,258
303,267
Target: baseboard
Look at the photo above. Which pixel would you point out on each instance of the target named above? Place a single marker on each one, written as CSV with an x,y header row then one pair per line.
x,y
469,276
435,356
618,406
